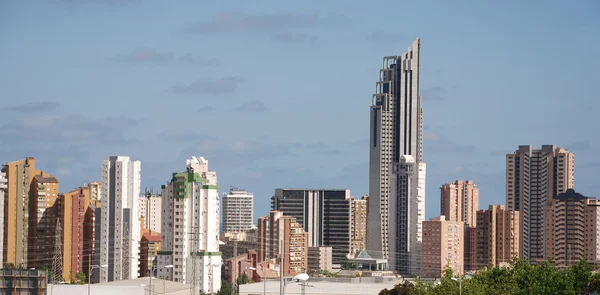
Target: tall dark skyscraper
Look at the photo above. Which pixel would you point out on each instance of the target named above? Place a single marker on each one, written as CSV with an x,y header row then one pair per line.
x,y
396,169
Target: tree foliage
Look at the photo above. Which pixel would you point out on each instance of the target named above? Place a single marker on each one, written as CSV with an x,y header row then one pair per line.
x,y
521,278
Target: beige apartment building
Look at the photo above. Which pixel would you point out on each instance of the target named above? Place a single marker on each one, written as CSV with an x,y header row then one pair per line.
x,y
460,201
320,259
572,228
443,246
533,178
275,229
498,239
358,226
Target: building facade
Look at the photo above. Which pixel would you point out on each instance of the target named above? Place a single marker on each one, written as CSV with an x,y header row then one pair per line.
x,y
3,187
397,172
443,246
278,233
324,214
71,208
151,211
572,228
238,211
120,228
19,175
460,201
44,192
470,256
190,228
320,259
358,230
498,236
533,178
149,248
26,187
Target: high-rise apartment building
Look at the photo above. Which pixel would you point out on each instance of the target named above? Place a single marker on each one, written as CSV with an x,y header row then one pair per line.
x,y
443,247
572,228
3,187
470,256
120,228
460,201
533,177
238,211
358,229
71,208
44,192
592,222
19,176
276,231
190,228
151,211
396,169
324,214
498,236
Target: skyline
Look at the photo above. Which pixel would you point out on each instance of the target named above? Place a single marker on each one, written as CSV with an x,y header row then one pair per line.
x,y
157,81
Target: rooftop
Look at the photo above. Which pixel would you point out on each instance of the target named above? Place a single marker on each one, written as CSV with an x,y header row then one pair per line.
x,y
329,286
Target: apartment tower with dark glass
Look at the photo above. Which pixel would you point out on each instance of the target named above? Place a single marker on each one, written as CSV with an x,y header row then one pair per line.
x,y
325,214
396,169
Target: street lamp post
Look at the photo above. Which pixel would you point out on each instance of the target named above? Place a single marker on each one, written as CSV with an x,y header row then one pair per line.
x,y
459,284
263,278
92,267
164,288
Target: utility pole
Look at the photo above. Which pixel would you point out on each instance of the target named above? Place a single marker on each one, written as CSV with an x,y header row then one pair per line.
x,y
57,257
281,267
194,256
235,264
210,277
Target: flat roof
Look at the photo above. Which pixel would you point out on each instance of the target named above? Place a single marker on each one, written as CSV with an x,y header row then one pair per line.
x,y
321,287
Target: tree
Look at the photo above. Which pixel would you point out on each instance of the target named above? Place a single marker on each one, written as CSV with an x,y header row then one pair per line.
x,y
521,278
347,265
80,278
10,266
226,288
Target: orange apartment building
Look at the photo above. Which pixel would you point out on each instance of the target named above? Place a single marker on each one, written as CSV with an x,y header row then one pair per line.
x,y
498,236
71,218
21,193
533,178
443,246
572,231
275,228
460,201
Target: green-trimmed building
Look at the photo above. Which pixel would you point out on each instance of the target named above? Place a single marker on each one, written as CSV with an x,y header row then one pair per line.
x,y
190,228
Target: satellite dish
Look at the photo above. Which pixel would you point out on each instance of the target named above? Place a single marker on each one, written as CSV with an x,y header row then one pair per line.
x,y
301,277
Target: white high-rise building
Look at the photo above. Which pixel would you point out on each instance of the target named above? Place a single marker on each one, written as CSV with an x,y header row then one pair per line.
x,y
151,211
397,172
190,228
119,225
238,211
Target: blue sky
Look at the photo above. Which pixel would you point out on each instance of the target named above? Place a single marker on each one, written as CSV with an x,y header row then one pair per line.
x,y
277,93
